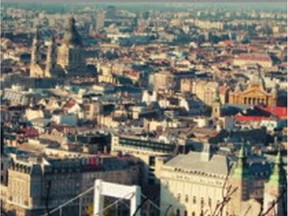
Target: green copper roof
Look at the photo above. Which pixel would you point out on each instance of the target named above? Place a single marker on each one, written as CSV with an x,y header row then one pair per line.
x,y
278,175
241,170
241,152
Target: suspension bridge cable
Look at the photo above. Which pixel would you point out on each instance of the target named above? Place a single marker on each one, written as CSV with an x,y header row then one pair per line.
x,y
118,200
89,190
69,201
151,202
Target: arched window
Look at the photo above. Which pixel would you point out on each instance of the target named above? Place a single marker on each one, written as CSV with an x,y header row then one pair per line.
x,y
209,201
178,212
202,201
194,200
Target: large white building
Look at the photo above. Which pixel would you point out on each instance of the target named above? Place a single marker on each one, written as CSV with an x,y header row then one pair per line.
x,y
197,184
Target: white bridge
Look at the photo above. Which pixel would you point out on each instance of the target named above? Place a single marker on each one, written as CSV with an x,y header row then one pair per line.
x,y
133,193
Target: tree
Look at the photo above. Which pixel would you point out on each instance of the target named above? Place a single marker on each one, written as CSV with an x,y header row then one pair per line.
x,y
89,210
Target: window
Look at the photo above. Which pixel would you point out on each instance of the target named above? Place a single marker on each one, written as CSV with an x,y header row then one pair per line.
x,y
194,199
209,201
202,201
178,212
185,213
193,213
151,161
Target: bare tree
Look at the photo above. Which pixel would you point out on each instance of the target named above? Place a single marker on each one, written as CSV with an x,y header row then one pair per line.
x,y
227,191
274,203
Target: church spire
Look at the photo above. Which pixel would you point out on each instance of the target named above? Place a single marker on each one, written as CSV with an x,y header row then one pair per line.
x,y
241,169
278,174
216,106
71,36
51,57
35,55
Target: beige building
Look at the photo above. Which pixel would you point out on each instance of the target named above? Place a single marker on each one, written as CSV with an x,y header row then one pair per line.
x,y
253,59
34,183
254,94
193,184
206,91
162,81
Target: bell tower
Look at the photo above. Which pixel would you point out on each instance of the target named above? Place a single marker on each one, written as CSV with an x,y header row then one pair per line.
x,y
35,68
35,55
240,180
275,190
51,58
216,106
71,53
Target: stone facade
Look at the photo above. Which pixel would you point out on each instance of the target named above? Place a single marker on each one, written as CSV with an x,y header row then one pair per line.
x,y
255,94
34,184
191,185
66,60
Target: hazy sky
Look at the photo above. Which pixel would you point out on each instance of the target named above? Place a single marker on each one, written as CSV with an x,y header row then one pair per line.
x,y
145,1
239,4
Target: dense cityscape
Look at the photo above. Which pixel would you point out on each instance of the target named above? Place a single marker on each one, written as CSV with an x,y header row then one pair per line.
x,y
184,104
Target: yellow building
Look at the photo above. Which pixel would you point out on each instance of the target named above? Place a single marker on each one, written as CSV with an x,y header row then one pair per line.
x,y
254,94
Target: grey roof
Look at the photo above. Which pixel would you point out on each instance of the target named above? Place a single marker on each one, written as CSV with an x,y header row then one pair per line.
x,y
218,164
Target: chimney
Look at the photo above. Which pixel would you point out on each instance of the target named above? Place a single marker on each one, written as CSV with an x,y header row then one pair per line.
x,y
206,153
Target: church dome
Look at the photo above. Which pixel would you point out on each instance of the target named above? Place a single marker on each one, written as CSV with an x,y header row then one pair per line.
x,y
71,36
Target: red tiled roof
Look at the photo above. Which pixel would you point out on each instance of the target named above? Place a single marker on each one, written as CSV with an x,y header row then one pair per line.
x,y
253,57
280,112
29,132
249,118
229,43
69,104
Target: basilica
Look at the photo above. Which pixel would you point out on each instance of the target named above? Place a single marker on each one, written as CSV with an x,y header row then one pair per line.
x,y
66,60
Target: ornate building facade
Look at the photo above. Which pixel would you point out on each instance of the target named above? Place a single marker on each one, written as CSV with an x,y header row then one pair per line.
x,y
254,94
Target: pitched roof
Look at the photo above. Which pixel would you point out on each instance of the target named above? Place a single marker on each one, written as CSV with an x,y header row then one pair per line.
x,y
218,164
278,111
254,57
69,104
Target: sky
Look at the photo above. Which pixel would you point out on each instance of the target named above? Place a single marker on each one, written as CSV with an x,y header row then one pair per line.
x,y
151,1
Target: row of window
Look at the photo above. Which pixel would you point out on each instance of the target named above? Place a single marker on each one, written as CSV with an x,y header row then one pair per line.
x,y
147,145
194,199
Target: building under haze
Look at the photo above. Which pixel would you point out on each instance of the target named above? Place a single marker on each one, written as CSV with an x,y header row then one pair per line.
x,y
64,61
